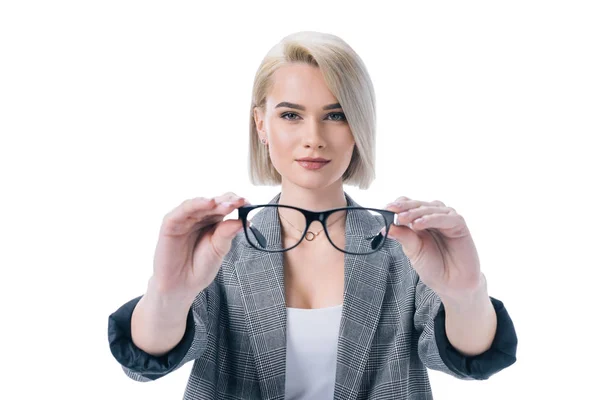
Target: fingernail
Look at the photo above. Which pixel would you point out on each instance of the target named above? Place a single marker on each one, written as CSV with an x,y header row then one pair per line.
x,y
227,203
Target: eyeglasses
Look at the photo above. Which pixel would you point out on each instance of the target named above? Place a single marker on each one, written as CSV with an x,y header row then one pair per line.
x,y
365,231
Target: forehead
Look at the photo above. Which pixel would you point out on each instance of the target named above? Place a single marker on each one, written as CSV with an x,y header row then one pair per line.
x,y
300,83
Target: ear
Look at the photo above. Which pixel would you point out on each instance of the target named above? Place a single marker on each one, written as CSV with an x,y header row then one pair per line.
x,y
259,120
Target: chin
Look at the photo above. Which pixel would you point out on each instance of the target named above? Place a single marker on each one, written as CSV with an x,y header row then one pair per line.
x,y
312,182
298,176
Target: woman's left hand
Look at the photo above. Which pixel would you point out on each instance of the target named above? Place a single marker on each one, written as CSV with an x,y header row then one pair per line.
x,y
439,246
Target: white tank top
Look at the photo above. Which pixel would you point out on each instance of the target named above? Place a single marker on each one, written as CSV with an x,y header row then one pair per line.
x,y
311,352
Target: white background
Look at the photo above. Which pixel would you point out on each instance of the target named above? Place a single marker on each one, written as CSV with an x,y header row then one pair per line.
x,y
114,112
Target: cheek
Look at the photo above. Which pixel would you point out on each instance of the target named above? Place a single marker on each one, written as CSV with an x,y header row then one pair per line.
x,y
346,144
281,136
280,143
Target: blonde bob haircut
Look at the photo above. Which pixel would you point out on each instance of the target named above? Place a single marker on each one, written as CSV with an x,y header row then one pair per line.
x,y
348,80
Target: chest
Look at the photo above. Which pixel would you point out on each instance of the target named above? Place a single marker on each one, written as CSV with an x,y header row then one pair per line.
x,y
314,276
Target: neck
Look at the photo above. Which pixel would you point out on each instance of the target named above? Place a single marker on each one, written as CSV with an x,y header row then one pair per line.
x,y
313,199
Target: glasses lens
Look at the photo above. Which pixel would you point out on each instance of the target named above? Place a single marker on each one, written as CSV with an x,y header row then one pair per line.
x,y
365,238
262,236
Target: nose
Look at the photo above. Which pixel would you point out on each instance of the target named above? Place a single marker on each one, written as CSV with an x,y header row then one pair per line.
x,y
313,138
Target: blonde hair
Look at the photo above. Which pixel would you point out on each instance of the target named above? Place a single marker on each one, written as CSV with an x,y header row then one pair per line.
x,y
346,77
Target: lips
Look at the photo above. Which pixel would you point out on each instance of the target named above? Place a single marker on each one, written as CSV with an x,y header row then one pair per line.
x,y
313,163
312,159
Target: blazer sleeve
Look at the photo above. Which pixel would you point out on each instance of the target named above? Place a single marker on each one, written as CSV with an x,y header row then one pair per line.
x,y
436,352
144,367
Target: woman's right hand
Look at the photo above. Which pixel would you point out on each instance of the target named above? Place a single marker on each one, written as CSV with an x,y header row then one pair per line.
x,y
192,243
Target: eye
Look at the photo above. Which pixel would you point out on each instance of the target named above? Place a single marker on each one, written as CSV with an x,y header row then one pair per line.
x,y
337,116
289,113
341,116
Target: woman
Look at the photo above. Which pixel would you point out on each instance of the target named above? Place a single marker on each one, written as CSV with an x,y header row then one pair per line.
x,y
320,320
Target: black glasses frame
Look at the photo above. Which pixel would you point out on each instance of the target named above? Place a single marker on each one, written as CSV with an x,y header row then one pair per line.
x,y
389,216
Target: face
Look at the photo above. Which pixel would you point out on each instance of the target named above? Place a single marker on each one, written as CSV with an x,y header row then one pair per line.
x,y
303,119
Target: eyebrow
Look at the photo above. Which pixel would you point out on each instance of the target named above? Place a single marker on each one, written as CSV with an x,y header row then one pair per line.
x,y
299,107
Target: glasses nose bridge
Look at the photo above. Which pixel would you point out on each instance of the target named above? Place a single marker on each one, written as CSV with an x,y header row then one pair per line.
x,y
315,216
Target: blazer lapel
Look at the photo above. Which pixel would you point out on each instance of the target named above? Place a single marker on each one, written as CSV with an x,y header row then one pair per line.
x,y
260,276
261,279
365,279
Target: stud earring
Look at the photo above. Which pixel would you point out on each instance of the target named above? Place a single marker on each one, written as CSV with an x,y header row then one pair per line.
x,y
263,141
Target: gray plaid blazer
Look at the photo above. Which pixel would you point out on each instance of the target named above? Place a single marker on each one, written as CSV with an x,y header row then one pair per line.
x,y
392,328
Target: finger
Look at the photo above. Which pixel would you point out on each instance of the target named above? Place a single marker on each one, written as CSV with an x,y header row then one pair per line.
x,y
200,211
237,202
438,221
217,213
189,207
227,197
196,209
399,205
403,205
410,215
402,198
399,231
408,238
224,234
